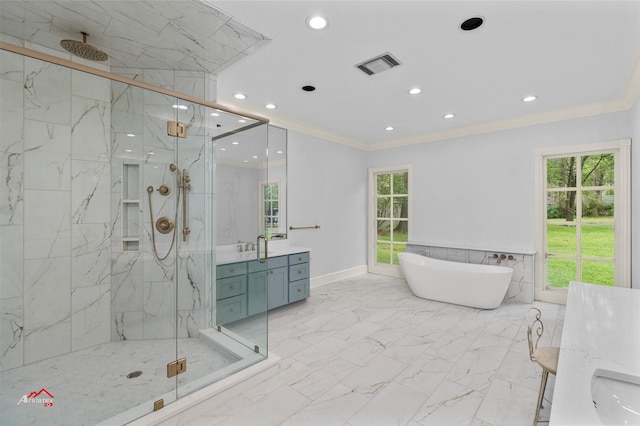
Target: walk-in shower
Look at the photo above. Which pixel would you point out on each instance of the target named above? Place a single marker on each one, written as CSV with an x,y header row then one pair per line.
x,y
107,245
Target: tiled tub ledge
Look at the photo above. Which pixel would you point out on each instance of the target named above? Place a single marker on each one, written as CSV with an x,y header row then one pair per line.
x,y
521,286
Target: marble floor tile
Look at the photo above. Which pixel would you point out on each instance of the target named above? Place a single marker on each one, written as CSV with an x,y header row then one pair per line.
x,y
365,351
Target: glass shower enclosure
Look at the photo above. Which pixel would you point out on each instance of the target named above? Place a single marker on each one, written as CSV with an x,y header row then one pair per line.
x,y
107,245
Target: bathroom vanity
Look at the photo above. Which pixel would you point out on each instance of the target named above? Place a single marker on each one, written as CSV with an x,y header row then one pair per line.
x,y
248,287
598,380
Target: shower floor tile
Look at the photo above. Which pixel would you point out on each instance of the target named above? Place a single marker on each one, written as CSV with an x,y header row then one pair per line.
x,y
91,385
366,351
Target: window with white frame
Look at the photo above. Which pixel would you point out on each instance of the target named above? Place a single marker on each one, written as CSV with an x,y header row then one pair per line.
x,y
583,217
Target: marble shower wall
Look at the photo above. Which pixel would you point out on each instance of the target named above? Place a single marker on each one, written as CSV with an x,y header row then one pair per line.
x,y
67,282
55,225
143,287
521,286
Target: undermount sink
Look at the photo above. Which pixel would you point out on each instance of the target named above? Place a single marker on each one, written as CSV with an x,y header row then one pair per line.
x,y
616,397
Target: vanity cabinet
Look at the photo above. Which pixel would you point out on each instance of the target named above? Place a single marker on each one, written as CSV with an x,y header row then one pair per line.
x,y
248,288
298,276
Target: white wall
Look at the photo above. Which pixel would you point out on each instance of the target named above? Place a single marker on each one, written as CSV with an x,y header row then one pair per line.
x,y
635,197
478,190
327,187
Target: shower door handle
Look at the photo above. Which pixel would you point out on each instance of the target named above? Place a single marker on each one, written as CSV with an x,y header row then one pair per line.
x,y
261,259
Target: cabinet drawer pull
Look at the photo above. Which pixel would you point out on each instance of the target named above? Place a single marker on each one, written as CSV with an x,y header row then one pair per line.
x,y
299,290
231,287
299,271
299,258
231,270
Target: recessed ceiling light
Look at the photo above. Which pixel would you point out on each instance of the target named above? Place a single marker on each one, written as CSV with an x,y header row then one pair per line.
x,y
255,156
448,115
223,149
128,150
242,121
151,153
530,98
183,107
472,23
215,114
235,143
415,91
245,161
279,152
240,96
316,22
389,128
131,135
270,106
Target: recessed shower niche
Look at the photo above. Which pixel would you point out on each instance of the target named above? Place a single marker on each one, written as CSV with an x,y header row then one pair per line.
x,y
131,207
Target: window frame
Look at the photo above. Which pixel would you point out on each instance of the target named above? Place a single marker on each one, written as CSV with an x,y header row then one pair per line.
x,y
621,150
373,266
263,216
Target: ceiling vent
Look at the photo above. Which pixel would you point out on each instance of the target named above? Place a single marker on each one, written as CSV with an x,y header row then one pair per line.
x,y
380,63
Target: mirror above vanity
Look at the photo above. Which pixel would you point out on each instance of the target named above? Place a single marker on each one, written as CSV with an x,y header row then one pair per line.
x,y
250,185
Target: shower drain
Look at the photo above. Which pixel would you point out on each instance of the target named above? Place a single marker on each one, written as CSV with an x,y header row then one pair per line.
x,y
134,374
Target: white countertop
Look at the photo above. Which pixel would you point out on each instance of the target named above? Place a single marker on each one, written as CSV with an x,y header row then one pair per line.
x,y
229,254
601,330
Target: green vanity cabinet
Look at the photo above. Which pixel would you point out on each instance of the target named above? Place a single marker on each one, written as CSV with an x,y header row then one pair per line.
x,y
298,276
256,293
231,292
278,287
249,288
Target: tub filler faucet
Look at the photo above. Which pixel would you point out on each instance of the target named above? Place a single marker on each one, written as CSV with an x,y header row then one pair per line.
x,y
499,258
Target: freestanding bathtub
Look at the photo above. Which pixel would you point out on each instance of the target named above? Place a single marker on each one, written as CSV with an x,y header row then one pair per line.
x,y
476,286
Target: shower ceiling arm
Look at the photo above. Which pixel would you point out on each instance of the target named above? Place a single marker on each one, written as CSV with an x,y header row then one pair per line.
x,y
84,68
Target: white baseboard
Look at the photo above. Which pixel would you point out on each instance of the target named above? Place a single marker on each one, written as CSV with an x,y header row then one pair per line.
x,y
336,276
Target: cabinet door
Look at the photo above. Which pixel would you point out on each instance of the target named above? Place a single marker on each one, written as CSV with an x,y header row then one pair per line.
x,y
257,293
278,281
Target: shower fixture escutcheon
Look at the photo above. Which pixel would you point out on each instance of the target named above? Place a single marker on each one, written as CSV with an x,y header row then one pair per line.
x,y
164,225
164,190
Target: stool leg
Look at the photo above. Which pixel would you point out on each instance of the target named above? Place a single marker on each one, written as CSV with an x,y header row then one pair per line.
x,y
543,385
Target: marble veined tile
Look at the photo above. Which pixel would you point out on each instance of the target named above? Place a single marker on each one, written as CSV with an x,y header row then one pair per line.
x,y
334,407
47,157
395,404
91,316
11,185
47,341
90,129
47,92
11,332
450,404
90,86
90,255
424,374
11,115
11,68
47,290
47,230
508,403
90,192
11,261
159,310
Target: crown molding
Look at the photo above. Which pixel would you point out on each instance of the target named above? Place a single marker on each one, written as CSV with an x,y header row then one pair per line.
x,y
580,111
627,100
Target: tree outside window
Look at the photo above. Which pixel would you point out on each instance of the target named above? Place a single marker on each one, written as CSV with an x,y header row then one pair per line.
x,y
392,217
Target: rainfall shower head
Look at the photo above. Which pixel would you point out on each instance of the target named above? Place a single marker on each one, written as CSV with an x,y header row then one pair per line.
x,y
84,49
